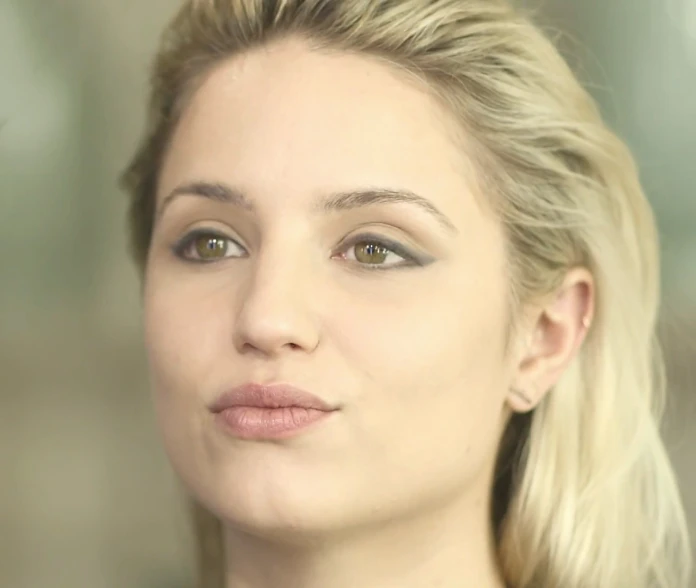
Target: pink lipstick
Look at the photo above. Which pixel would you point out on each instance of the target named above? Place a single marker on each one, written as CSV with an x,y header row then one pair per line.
x,y
277,411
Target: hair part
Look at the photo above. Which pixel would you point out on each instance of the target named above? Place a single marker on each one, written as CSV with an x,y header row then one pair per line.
x,y
585,495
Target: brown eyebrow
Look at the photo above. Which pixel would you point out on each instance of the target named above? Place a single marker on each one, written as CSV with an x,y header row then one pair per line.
x,y
345,200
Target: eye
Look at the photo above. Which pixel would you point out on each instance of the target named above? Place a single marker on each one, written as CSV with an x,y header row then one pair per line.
x,y
371,252
374,252
206,246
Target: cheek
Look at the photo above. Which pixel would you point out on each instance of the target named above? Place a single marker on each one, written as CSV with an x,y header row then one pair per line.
x,y
442,331
184,340
433,369
184,337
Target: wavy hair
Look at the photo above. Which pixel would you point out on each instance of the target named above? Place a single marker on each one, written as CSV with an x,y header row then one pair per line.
x,y
584,496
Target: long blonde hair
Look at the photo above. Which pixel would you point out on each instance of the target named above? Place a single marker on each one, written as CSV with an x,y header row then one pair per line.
x,y
585,496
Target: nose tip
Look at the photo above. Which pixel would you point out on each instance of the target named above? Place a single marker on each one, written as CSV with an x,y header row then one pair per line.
x,y
271,320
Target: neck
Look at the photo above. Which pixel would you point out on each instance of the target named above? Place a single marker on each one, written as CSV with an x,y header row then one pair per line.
x,y
450,548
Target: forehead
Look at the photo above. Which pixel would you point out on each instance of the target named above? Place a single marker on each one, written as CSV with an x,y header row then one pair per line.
x,y
287,118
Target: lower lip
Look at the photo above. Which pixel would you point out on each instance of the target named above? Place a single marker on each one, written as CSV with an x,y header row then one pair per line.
x,y
251,422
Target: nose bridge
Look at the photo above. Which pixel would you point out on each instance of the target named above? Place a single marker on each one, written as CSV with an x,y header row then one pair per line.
x,y
279,274
276,309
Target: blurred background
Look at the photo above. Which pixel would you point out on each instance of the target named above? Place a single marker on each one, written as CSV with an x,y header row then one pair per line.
x,y
86,496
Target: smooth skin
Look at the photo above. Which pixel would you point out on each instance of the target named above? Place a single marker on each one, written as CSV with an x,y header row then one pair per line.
x,y
393,490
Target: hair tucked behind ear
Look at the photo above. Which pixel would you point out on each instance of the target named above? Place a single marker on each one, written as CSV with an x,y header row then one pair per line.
x,y
585,496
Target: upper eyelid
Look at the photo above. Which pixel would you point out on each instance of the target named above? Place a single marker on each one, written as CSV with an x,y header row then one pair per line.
x,y
352,239
185,241
393,245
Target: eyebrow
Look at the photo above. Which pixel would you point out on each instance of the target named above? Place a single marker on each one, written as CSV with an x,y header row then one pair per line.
x,y
336,201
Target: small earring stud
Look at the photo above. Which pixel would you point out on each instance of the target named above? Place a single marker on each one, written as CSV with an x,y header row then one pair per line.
x,y
586,322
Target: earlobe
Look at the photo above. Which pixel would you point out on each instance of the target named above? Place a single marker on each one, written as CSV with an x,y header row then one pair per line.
x,y
520,401
558,330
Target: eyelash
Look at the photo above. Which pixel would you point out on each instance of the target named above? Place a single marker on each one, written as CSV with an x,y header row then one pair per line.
x,y
410,260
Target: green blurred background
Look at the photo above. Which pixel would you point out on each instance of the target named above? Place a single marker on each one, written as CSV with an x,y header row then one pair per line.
x,y
86,496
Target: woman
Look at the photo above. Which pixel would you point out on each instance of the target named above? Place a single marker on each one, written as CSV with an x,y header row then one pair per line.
x,y
400,289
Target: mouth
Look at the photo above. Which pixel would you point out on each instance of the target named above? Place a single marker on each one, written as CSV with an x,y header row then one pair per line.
x,y
270,396
260,411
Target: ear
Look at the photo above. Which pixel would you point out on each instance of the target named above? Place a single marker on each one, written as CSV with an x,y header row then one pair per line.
x,y
558,329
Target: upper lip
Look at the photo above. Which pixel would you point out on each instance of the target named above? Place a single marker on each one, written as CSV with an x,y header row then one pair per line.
x,y
269,396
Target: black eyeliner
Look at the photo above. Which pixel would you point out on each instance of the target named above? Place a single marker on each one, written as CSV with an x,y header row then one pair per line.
x,y
411,259
180,246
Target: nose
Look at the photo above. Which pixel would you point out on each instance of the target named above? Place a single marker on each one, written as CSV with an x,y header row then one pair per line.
x,y
277,310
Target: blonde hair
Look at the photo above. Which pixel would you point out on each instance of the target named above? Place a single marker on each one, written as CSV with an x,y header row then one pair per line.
x,y
585,495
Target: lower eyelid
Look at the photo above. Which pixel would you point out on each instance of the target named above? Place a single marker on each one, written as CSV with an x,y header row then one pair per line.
x,y
408,259
181,247
393,246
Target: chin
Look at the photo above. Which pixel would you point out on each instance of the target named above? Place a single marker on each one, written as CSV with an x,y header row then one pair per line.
x,y
283,521
271,504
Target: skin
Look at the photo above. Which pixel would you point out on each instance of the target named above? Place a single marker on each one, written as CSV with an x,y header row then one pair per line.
x,y
393,489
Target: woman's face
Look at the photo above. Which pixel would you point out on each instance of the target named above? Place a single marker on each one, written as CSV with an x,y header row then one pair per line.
x,y
389,310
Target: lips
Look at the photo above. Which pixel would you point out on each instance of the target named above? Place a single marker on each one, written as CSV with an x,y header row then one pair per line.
x,y
258,412
269,396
